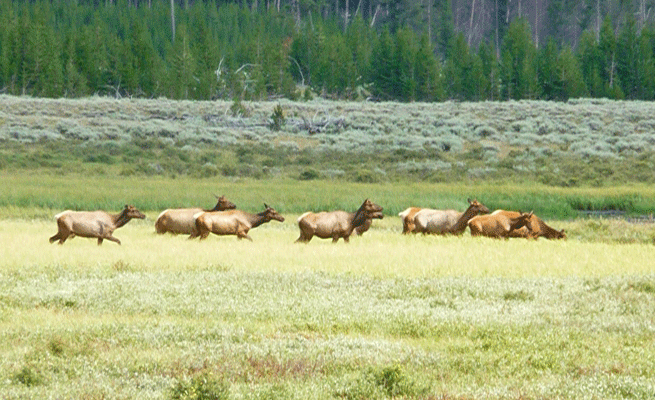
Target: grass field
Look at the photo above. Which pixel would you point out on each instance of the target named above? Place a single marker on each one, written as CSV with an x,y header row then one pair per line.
x,y
387,316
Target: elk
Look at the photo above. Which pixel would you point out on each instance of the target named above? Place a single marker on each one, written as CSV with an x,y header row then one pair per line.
x,y
407,216
180,220
337,224
231,222
93,224
367,224
498,224
537,228
443,222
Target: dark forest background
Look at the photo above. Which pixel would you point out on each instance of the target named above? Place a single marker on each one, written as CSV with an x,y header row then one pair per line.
x,y
404,50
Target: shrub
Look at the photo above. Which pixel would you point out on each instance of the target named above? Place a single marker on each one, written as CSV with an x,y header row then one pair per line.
x,y
201,387
277,119
28,377
237,109
208,170
368,176
309,174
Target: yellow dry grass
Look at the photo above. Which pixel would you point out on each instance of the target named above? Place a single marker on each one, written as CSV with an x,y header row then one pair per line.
x,y
382,251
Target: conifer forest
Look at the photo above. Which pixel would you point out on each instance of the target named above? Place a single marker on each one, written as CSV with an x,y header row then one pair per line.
x,y
401,50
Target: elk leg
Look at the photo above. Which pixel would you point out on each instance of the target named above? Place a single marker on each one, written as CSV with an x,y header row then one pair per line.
x,y
303,239
243,234
99,241
56,237
112,238
204,234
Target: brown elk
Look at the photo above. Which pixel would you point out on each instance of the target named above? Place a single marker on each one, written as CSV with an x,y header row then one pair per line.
x,y
93,224
232,222
180,220
337,224
367,224
498,224
407,216
537,228
447,221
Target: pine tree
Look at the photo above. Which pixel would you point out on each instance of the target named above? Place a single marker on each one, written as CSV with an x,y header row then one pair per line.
x,y
405,58
429,83
628,66
518,62
360,43
93,56
446,27
573,85
384,71
458,68
646,64
490,72
182,66
551,85
607,60
205,51
75,84
591,65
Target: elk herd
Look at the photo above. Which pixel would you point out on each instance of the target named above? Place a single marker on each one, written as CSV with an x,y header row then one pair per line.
x,y
226,219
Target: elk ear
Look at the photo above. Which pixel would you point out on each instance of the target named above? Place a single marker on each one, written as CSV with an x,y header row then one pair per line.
x,y
469,200
266,205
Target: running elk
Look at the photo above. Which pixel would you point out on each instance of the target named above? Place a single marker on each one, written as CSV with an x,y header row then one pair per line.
x,y
337,224
407,217
447,221
232,222
180,220
93,224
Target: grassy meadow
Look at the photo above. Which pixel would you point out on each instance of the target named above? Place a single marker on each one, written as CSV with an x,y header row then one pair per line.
x,y
387,316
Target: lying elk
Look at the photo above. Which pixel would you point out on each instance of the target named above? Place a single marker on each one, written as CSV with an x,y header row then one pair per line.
x,y
180,220
535,229
232,222
93,224
499,224
337,224
447,221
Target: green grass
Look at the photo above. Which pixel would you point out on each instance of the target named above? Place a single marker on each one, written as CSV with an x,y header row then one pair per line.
x,y
28,194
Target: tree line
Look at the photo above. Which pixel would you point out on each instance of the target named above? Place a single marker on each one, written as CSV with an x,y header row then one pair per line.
x,y
260,49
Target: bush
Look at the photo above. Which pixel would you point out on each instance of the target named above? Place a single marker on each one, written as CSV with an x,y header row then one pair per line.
x,y
277,119
28,377
368,176
201,387
309,174
389,381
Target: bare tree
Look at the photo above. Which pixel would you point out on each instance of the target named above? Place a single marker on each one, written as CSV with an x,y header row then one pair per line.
x,y
173,19
345,17
470,30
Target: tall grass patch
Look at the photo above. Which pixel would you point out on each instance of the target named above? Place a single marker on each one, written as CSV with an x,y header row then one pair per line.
x,y
30,194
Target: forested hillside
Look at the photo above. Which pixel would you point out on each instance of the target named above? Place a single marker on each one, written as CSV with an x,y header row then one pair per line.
x,y
405,50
